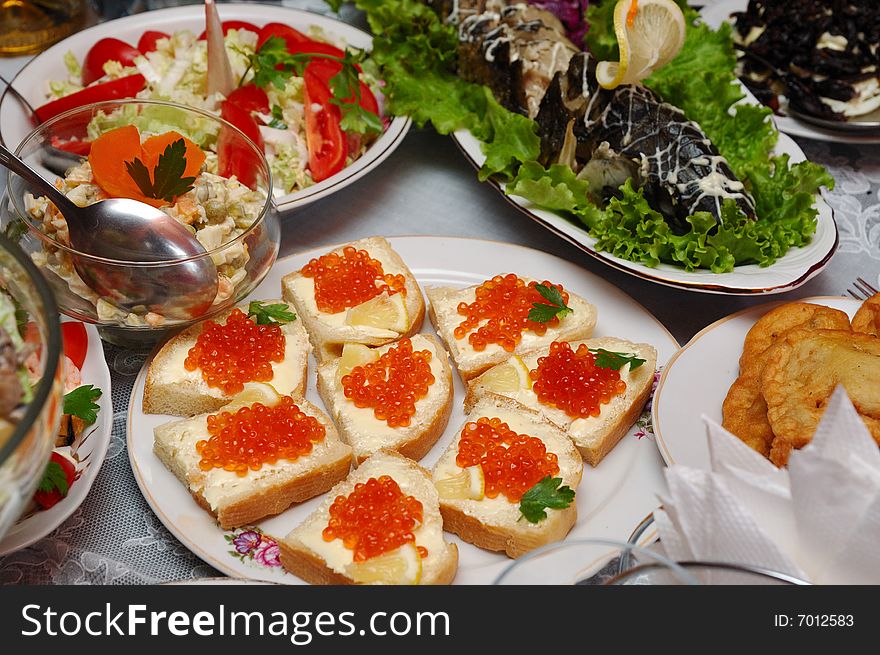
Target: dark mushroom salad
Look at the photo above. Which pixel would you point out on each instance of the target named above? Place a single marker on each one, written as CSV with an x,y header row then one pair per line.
x,y
821,56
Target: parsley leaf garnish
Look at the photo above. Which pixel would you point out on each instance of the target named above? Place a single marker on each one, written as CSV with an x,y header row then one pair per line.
x,y
270,314
80,403
277,118
54,478
615,361
167,180
272,64
546,494
346,89
557,308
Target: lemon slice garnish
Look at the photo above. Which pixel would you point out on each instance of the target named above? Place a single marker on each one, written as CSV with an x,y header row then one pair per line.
x,y
383,311
354,355
650,33
508,377
400,566
469,484
254,392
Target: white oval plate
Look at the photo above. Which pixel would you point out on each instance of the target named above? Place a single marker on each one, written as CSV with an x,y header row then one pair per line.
x,y
789,272
611,499
696,380
31,80
90,455
719,13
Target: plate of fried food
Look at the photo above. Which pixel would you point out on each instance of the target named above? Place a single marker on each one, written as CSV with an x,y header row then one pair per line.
x,y
435,407
766,374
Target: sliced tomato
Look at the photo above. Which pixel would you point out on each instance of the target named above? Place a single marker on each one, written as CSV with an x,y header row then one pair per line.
x,y
124,87
233,156
324,137
250,97
290,35
74,146
315,48
234,25
105,50
147,42
326,69
76,342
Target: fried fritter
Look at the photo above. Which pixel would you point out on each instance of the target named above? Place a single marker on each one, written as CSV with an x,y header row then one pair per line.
x,y
776,322
801,373
867,319
744,412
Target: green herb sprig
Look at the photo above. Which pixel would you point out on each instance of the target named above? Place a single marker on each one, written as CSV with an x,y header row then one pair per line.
x,y
542,313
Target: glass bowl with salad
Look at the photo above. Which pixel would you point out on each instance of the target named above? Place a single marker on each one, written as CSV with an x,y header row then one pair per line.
x,y
31,384
189,163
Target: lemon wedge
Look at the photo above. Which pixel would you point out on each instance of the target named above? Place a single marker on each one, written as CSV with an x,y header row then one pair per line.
x,y
650,34
254,392
354,355
383,311
401,566
510,376
470,484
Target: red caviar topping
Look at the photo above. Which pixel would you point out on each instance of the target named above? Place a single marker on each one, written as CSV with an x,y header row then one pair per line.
x,y
375,518
239,351
258,435
504,302
349,279
392,384
572,382
512,463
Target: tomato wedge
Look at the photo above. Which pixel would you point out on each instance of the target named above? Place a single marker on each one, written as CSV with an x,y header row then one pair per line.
x,y
250,97
76,342
324,137
327,68
105,50
124,87
290,35
147,42
75,146
233,156
234,25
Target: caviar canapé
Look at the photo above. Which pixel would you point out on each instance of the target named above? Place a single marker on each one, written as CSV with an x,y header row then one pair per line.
x,y
504,302
512,463
570,380
257,435
375,518
349,279
236,352
393,384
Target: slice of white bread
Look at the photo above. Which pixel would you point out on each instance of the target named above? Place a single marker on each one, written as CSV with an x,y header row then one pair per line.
x,y
306,554
497,523
366,434
243,500
171,389
444,314
594,437
328,332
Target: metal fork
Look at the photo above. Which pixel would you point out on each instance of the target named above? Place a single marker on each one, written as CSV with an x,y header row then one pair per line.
x,y
863,290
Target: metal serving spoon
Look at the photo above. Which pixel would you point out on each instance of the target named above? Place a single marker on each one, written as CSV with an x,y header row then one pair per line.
x,y
131,233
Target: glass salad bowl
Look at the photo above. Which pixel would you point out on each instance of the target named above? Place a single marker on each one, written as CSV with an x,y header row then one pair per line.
x,y
226,201
31,345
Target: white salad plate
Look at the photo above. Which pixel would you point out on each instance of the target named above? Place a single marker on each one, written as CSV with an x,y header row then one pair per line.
x,y
696,379
719,13
611,499
31,82
89,453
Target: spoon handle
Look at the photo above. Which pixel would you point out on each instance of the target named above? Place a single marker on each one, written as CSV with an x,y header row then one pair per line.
x,y
17,166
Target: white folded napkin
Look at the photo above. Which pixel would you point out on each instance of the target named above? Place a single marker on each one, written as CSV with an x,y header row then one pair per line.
x,y
818,520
